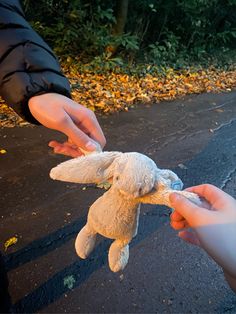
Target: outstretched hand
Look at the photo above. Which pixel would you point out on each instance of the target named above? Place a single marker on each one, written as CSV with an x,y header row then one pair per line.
x,y
213,225
80,124
217,208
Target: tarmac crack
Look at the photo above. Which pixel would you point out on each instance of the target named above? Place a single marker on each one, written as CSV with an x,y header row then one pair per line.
x,y
230,122
216,107
167,139
228,178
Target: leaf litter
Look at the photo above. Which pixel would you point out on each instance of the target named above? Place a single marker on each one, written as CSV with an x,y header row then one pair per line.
x,y
111,92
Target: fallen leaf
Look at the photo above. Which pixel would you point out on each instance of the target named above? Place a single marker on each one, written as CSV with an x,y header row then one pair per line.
x,y
10,242
182,166
112,92
104,185
69,282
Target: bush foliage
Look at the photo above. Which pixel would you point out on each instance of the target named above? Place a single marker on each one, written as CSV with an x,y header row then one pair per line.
x,y
160,32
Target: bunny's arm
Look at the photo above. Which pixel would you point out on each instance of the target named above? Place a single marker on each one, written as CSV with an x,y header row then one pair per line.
x,y
161,197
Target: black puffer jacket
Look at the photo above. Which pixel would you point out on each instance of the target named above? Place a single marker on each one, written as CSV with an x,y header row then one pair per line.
x,y
28,66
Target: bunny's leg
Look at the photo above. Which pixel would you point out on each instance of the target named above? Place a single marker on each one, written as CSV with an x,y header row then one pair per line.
x,y
85,241
118,255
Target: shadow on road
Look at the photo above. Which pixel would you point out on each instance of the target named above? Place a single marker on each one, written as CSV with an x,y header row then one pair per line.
x,y
54,288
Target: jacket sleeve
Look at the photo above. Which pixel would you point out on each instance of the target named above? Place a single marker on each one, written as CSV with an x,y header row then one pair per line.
x,y
28,66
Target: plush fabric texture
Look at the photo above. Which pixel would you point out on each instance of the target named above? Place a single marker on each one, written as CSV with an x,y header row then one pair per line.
x,y
28,67
135,179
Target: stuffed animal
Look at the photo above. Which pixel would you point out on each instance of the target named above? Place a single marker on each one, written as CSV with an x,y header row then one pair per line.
x,y
134,179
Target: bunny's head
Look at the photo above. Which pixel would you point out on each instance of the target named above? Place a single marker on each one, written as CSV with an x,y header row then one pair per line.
x,y
133,174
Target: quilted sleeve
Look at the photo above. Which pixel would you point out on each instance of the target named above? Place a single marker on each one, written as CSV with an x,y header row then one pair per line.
x,y
28,67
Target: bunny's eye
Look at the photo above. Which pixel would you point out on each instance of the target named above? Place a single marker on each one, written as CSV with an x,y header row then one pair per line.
x,y
140,191
117,178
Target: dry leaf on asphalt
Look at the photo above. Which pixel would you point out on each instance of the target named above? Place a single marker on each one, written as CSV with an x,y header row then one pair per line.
x,y
10,242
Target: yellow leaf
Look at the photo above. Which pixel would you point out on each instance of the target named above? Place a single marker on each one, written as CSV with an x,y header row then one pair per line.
x,y
104,185
3,151
189,85
10,242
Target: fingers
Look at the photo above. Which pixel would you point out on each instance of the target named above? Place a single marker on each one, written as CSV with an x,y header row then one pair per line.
x,y
178,225
86,120
65,149
215,196
176,216
192,213
67,143
60,113
94,130
205,189
177,221
77,136
189,237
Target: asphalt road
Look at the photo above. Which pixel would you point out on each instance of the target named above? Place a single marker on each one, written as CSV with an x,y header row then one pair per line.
x,y
194,136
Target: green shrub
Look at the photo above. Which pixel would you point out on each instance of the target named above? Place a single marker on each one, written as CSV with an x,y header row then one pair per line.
x,y
157,31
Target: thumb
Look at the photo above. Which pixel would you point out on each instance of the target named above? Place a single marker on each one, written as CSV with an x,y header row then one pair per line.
x,y
79,138
192,213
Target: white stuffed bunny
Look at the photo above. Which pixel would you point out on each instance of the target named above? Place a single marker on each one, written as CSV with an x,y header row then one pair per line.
x,y
135,179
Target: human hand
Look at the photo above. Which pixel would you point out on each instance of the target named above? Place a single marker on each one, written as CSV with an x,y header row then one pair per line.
x,y
60,113
213,224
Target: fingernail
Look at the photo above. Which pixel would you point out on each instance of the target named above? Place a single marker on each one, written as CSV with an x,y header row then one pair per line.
x,y
90,146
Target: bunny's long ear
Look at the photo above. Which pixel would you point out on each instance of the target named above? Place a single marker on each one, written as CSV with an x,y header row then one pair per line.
x,y
93,168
